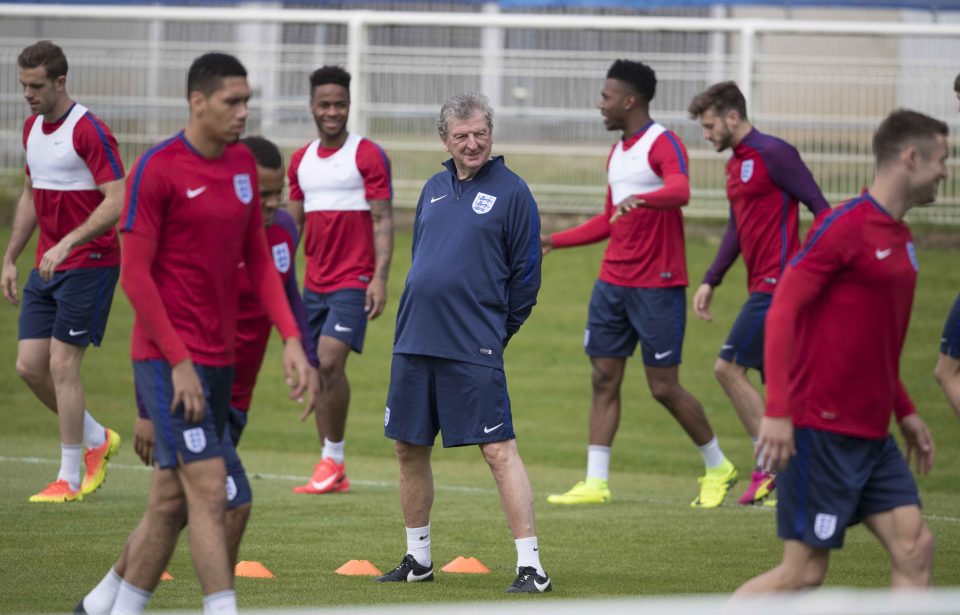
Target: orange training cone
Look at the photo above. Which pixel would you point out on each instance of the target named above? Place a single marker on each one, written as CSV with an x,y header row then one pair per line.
x,y
359,567
252,569
166,576
466,565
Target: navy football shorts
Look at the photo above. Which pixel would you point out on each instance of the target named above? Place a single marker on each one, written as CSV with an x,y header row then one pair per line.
x,y
619,316
950,340
744,345
340,314
72,307
238,486
172,434
835,481
467,403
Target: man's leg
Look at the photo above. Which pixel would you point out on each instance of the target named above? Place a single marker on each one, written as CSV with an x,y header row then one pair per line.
x,y
947,373
33,366
236,520
746,399
720,474
329,476
909,542
803,567
606,380
203,486
416,500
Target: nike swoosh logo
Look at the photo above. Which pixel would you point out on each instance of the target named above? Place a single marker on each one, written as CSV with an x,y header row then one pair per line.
x,y
422,538
725,347
76,333
412,577
195,192
494,428
541,586
341,329
663,355
323,484
882,254
437,198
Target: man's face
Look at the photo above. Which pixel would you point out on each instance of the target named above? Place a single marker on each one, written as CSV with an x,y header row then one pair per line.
x,y
223,114
330,105
271,192
616,99
929,170
717,129
40,92
469,141
958,100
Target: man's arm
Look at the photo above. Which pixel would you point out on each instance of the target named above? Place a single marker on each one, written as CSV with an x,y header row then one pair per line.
x,y
726,255
102,219
24,222
296,211
788,171
382,213
593,230
524,258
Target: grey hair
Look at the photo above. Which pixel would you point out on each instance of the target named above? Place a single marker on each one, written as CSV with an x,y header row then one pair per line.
x,y
461,107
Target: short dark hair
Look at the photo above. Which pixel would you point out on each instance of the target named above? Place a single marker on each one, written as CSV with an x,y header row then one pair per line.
x,y
329,74
721,97
904,127
265,152
956,84
207,72
45,54
637,75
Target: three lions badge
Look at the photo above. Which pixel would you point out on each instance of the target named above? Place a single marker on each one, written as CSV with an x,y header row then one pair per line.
x,y
483,203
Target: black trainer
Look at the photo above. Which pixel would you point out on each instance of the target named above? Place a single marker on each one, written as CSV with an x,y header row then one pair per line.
x,y
79,610
529,582
409,571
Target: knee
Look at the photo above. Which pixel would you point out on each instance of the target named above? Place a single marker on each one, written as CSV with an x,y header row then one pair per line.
x,y
663,391
941,372
31,371
172,508
496,454
330,372
63,368
724,371
605,381
917,553
411,454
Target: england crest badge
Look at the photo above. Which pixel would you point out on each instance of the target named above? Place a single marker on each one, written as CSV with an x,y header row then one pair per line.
x,y
281,257
912,253
243,187
746,171
824,525
195,439
483,203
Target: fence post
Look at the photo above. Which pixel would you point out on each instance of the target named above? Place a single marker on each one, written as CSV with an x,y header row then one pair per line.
x,y
356,47
748,32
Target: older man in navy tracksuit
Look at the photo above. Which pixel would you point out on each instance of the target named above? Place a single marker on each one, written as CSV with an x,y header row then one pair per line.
x,y
473,281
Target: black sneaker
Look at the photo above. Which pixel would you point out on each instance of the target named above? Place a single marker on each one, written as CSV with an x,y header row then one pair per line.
x,y
409,571
79,610
529,582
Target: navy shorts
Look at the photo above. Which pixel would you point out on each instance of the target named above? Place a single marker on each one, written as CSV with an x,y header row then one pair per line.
x,y
621,315
340,314
238,486
744,345
835,481
172,434
72,307
466,402
950,340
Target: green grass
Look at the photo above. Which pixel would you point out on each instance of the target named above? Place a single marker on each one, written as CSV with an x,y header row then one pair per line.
x,y
648,541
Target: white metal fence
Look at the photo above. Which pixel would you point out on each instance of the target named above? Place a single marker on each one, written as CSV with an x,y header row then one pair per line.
x,y
822,85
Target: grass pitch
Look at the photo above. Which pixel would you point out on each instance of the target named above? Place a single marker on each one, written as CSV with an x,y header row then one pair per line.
x,y
648,541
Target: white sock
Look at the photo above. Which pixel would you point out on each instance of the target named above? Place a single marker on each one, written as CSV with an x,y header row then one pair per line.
x,y
712,455
131,600
220,603
528,554
598,462
333,450
70,457
94,434
418,544
100,599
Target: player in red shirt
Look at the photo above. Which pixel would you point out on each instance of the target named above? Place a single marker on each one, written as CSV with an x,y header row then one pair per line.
x,y
641,293
947,371
73,190
253,330
340,183
834,336
196,190
766,181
